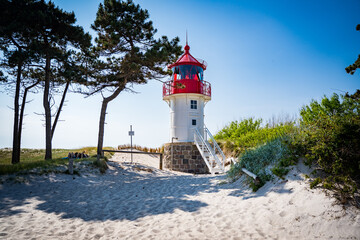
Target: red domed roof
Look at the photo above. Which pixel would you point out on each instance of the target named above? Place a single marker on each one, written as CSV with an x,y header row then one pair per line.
x,y
188,59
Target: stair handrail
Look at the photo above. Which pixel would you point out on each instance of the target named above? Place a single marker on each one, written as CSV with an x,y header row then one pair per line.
x,y
216,146
198,135
210,149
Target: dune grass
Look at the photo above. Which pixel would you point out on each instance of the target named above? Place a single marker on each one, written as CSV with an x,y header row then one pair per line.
x,y
34,158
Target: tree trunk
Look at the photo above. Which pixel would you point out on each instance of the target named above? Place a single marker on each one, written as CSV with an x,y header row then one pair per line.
x,y
101,128
16,147
60,108
21,117
102,119
46,103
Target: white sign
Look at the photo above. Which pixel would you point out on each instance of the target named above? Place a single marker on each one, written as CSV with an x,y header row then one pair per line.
x,y
131,133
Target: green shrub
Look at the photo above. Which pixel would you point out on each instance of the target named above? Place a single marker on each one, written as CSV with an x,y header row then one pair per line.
x,y
316,182
237,129
280,171
281,167
259,160
101,165
237,137
331,140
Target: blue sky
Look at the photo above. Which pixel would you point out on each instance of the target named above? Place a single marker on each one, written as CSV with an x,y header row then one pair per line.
x,y
265,58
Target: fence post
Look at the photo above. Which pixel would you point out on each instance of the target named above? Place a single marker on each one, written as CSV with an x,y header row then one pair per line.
x,y
71,166
161,161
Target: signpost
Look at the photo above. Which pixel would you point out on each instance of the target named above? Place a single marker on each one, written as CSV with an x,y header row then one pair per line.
x,y
131,134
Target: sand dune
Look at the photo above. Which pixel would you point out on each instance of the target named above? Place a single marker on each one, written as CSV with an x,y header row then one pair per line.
x,y
138,203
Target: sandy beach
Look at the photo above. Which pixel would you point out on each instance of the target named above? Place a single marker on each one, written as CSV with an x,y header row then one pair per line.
x,y
143,202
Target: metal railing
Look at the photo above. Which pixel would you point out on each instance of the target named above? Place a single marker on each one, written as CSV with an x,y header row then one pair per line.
x,y
186,86
216,146
199,142
202,145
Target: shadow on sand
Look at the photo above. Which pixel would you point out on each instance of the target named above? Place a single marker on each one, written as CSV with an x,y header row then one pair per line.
x,y
118,195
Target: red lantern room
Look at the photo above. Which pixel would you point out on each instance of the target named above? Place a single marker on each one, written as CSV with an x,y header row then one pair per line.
x,y
187,77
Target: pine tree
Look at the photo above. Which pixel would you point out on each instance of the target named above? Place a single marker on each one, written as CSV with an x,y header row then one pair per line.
x,y
41,35
17,50
352,68
128,52
57,38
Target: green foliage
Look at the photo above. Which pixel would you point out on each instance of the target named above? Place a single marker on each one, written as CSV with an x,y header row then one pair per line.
x,y
352,68
259,160
281,167
236,129
126,52
315,182
101,164
126,36
331,140
256,185
328,136
39,42
258,147
34,158
236,137
280,171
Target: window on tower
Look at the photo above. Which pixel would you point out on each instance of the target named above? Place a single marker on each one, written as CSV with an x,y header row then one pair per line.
x,y
193,104
187,72
194,122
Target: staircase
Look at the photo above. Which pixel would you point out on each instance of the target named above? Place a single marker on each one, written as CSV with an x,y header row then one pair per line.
x,y
210,152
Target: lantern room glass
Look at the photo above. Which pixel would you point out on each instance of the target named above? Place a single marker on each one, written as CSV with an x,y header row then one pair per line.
x,y
187,72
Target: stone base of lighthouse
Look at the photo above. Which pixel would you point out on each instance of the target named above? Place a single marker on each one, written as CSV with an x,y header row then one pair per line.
x,y
184,157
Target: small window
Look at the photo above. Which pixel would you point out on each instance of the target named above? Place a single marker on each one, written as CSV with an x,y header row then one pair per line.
x,y
194,122
193,104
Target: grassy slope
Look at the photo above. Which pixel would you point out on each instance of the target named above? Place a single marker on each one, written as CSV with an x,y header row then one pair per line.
x,y
32,158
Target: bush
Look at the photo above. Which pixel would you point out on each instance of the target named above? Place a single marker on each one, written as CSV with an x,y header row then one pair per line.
x,y
280,171
260,159
237,129
328,136
101,165
331,140
237,137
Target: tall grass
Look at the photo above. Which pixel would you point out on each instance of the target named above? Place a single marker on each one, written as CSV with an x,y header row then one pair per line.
x,y
260,148
271,157
141,148
239,136
33,158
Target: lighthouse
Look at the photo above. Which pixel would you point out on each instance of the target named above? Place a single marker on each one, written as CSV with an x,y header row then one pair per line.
x,y
186,94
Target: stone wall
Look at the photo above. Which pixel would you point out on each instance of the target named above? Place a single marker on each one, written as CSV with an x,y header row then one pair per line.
x,y
184,158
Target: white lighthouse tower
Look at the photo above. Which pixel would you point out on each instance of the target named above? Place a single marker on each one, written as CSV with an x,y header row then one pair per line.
x,y
186,94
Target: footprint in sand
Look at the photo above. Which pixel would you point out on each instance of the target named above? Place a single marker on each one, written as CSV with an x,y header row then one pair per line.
x,y
282,214
155,231
219,215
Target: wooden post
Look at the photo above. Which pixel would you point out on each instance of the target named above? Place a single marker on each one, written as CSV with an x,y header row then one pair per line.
x,y
161,161
256,178
71,166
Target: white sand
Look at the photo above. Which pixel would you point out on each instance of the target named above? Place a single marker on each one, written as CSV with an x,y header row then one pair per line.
x,y
152,160
129,204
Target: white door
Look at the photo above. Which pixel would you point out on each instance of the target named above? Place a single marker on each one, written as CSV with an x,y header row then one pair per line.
x,y
193,124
